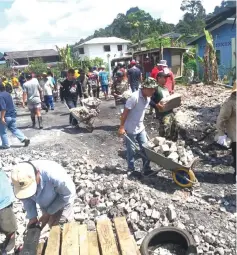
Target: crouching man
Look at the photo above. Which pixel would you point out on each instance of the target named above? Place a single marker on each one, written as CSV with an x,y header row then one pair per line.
x,y
7,217
47,184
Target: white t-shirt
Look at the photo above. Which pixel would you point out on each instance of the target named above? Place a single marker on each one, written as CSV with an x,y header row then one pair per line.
x,y
48,87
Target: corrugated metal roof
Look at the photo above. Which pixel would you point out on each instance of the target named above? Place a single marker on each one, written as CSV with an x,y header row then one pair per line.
x,y
104,40
30,54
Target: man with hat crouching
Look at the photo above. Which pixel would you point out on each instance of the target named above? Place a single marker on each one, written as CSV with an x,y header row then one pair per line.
x,y
47,184
132,123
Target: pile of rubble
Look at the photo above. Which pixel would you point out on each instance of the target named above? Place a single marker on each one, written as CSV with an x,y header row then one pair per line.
x,y
106,191
82,113
199,110
174,151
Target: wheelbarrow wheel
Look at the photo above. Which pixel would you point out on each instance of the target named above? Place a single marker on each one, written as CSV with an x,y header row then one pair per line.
x,y
184,177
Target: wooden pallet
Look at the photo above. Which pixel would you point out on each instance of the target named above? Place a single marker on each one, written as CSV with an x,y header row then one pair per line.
x,y
75,239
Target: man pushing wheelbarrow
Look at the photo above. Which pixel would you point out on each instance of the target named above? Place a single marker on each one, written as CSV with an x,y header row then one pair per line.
x,y
133,127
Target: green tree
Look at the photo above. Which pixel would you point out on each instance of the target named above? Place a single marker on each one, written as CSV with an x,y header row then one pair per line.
x,y
37,66
194,18
66,58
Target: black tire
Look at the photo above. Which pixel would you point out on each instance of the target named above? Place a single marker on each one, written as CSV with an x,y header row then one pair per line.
x,y
169,235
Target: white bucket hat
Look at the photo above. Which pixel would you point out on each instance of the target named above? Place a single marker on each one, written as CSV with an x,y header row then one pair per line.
x,y
24,180
162,63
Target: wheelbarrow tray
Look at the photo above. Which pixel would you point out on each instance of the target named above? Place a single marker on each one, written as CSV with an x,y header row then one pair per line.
x,y
162,161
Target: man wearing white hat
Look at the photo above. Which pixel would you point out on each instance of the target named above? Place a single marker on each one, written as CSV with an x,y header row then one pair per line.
x,y
47,184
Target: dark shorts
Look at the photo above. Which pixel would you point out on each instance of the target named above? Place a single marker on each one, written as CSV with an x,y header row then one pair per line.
x,y
7,221
105,88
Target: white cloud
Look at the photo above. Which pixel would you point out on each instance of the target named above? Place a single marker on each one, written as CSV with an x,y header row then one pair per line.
x,y
37,24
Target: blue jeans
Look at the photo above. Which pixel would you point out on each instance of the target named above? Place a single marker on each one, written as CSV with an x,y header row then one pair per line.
x,y
141,139
71,104
49,102
11,125
134,87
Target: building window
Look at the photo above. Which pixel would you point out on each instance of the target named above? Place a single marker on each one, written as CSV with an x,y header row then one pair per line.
x,y
81,51
107,48
218,57
120,47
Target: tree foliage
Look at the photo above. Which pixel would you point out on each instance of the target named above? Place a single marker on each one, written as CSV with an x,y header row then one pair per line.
x,y
36,66
65,56
194,17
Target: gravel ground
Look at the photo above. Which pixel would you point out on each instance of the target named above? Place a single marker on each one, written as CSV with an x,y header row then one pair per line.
x,y
207,211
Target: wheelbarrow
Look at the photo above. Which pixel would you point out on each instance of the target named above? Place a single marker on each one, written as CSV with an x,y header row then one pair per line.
x,y
182,175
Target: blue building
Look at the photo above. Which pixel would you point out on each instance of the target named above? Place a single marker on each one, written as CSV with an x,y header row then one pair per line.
x,y
223,30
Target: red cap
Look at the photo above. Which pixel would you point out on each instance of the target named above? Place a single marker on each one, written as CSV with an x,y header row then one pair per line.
x,y
133,62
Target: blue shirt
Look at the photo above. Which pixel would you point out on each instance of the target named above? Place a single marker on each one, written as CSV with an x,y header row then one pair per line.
x,y
6,192
55,191
104,78
6,103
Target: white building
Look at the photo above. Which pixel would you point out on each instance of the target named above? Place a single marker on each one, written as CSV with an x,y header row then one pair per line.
x,y
102,47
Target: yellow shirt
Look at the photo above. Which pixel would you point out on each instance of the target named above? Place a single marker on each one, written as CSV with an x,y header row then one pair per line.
x,y
15,82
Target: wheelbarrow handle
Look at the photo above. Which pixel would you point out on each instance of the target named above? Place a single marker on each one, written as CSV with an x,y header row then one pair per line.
x,y
130,140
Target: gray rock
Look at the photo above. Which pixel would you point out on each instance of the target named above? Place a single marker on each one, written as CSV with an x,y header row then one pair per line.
x,y
164,148
159,141
174,156
134,216
155,215
148,212
208,237
219,251
139,234
171,213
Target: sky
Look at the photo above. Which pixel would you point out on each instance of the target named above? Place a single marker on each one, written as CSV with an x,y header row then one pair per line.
x,y
41,24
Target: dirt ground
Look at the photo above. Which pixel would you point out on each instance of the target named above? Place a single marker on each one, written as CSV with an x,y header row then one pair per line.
x,y
104,147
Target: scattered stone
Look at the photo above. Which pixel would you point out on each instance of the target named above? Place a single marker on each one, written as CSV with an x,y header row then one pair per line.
x,y
171,213
139,234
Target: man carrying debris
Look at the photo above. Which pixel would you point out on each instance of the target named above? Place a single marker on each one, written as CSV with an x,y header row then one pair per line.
x,y
70,90
168,125
119,86
8,119
8,225
93,82
132,123
226,124
33,93
47,184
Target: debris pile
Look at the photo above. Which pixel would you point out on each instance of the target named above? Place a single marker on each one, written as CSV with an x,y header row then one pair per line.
x,y
106,191
200,107
83,112
174,151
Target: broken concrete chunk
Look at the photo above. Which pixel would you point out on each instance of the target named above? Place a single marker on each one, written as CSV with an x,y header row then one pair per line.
x,y
164,148
174,156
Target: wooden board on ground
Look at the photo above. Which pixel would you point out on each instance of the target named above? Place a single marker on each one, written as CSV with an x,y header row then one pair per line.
x,y
126,243
106,238
136,247
53,244
83,237
93,243
40,249
70,239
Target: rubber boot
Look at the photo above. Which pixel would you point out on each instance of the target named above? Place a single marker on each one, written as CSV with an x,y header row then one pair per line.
x,y
40,120
33,121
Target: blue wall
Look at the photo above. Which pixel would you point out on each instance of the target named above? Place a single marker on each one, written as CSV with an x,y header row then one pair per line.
x,y
167,56
222,40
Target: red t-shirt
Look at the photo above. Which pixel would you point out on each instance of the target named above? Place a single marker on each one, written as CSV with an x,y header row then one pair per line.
x,y
169,82
154,72
147,66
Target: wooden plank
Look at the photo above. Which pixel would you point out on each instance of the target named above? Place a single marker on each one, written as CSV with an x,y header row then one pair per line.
x,y
126,243
53,244
70,239
40,249
136,247
93,243
83,240
106,238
